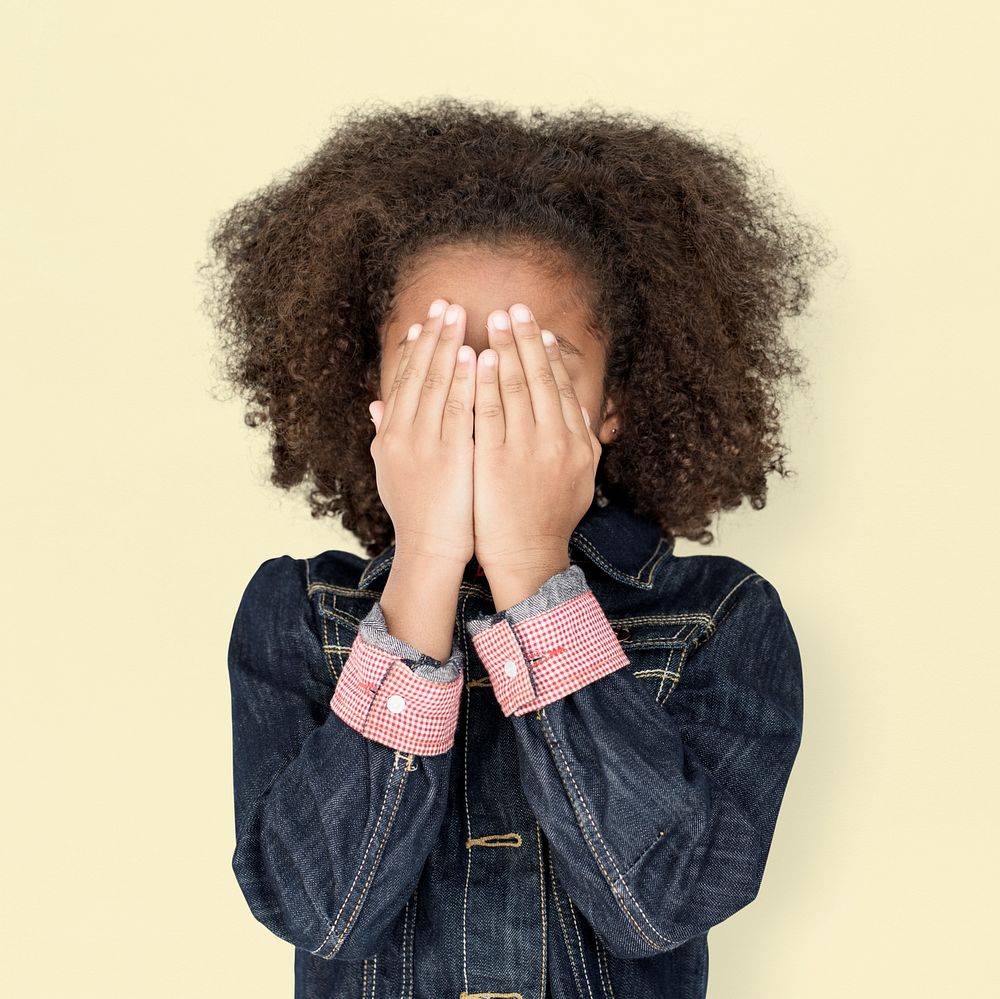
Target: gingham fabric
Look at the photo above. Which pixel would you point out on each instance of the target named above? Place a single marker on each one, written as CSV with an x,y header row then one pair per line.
x,y
373,629
533,661
548,645
380,696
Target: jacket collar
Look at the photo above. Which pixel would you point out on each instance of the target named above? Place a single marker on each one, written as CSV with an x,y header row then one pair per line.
x,y
618,541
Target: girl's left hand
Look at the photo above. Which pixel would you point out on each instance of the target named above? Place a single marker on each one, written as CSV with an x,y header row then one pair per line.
x,y
535,457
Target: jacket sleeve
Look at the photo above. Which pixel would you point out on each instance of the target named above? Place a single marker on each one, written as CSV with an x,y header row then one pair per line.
x,y
333,824
659,815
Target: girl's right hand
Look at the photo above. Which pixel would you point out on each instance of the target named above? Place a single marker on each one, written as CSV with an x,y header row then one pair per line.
x,y
423,444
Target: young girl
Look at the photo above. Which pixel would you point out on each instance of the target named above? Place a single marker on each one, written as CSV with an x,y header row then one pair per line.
x,y
524,749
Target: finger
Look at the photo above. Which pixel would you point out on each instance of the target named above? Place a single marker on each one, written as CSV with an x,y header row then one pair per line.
x,y
404,358
594,440
543,390
404,396
459,413
490,429
518,417
440,373
376,409
571,410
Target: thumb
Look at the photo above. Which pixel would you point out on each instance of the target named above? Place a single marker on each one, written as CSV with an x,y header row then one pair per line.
x,y
595,441
376,408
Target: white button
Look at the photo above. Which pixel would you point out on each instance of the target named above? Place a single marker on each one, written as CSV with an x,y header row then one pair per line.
x,y
510,667
396,703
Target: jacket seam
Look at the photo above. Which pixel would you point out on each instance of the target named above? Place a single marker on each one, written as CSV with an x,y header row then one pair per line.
x,y
553,743
725,606
374,866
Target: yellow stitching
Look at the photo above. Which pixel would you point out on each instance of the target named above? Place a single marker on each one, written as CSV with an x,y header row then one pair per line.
x,y
652,642
666,670
605,971
479,681
555,742
388,788
336,634
656,551
663,618
494,839
344,591
583,957
681,659
562,924
371,874
541,904
532,705
468,813
736,586
665,555
334,673
489,995
409,924
413,937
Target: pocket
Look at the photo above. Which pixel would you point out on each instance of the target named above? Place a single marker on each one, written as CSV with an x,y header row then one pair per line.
x,y
657,646
339,611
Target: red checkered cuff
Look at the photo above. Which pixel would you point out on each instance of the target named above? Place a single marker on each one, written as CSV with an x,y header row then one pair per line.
x,y
533,661
380,696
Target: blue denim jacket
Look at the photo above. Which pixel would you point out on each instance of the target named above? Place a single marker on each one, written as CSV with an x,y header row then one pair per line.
x,y
585,849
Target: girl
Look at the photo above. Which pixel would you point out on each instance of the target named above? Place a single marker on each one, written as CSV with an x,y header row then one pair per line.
x,y
523,749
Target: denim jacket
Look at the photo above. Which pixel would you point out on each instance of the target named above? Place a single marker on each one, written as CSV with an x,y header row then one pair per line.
x,y
582,848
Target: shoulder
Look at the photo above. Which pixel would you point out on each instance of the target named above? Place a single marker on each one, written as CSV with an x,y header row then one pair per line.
x,y
280,630
745,638
335,568
718,583
283,591
288,576
727,595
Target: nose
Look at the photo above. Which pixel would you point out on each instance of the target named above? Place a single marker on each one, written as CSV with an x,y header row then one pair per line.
x,y
476,335
477,338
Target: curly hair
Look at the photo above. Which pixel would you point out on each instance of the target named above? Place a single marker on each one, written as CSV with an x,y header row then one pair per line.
x,y
692,264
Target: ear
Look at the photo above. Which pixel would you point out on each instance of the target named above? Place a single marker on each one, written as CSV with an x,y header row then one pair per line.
x,y
609,430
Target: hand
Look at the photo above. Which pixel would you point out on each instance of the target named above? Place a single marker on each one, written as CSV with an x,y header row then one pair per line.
x,y
423,447
536,457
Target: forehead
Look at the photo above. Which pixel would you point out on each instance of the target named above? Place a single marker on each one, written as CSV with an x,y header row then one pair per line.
x,y
483,278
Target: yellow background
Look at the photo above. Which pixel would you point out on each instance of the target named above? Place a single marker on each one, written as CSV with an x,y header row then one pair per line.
x,y
137,504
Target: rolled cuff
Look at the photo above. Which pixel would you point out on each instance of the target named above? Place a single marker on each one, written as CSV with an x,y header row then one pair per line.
x,y
392,693
547,646
374,631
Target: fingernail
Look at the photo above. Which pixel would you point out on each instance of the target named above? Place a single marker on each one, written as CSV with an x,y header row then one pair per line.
x,y
413,332
500,321
586,415
451,315
548,338
521,313
437,307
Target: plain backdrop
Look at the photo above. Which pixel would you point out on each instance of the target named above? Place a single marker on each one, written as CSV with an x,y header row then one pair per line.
x,y
137,506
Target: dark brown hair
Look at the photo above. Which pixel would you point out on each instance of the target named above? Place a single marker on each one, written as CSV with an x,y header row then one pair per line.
x,y
693,265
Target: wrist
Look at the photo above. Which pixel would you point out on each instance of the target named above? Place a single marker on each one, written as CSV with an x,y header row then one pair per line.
x,y
439,568
510,583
